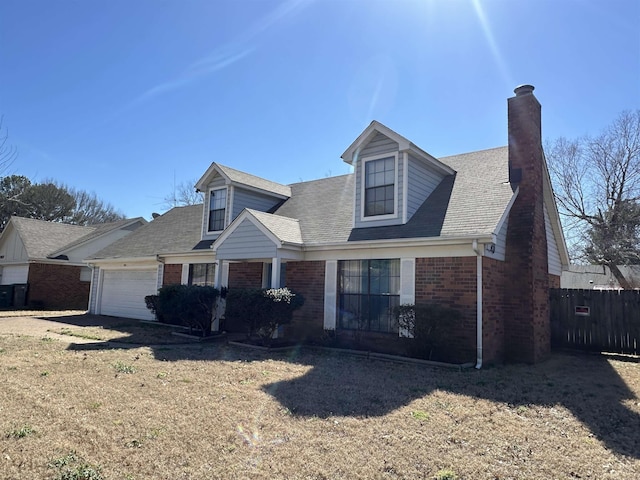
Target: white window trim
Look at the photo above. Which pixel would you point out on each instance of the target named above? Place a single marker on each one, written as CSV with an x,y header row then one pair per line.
x,y
375,218
226,209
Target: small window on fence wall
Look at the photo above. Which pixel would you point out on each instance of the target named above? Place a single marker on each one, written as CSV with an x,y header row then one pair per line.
x,y
202,274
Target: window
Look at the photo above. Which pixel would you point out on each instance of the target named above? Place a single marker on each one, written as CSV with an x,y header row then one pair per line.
x,y
368,291
379,187
217,209
202,274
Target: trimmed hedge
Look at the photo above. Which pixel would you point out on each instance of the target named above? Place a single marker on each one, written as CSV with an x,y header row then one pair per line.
x,y
191,306
262,310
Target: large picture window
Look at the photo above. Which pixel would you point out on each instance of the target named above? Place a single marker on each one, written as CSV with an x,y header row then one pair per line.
x,y
217,209
379,187
202,274
368,291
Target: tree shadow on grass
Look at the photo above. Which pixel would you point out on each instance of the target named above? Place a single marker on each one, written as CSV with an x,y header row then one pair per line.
x,y
342,385
586,385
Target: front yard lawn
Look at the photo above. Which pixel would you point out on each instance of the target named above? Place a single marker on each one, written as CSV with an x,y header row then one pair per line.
x,y
210,411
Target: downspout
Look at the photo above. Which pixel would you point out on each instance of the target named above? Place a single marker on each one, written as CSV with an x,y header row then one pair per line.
x,y
478,304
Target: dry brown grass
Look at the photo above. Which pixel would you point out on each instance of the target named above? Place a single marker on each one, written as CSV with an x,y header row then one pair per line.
x,y
211,411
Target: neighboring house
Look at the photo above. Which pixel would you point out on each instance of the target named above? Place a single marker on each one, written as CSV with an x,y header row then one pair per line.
x,y
478,232
48,257
598,277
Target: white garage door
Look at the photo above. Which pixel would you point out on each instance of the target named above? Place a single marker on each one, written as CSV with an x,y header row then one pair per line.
x,y
15,274
123,293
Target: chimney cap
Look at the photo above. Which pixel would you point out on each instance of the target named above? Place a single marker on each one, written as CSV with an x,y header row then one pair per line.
x,y
523,90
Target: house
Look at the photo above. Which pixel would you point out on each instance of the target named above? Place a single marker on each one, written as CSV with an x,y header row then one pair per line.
x,y
478,232
598,277
46,259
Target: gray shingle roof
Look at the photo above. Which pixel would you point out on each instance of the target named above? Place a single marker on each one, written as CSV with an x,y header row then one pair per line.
x,y
98,230
236,176
42,238
178,230
471,202
285,229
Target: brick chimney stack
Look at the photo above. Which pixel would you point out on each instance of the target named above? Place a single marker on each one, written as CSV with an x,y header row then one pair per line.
x,y
527,328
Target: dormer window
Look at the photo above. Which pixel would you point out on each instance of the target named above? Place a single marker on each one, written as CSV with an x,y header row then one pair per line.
x,y
380,176
217,209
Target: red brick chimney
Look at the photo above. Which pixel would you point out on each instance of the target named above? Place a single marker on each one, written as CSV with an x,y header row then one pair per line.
x,y
527,328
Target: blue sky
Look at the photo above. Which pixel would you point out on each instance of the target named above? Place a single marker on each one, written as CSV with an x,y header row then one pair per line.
x,y
121,97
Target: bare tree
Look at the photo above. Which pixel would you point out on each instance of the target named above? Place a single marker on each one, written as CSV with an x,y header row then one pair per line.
x,y
8,152
597,186
183,194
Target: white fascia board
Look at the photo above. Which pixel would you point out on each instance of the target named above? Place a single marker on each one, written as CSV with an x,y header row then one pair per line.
x,y
107,232
269,193
200,256
552,210
366,136
118,260
507,211
201,185
430,159
405,242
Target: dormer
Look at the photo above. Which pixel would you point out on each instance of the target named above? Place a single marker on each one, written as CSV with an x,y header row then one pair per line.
x,y
228,191
393,177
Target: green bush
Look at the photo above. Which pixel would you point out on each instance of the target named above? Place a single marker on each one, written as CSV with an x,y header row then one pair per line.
x,y
261,311
187,305
428,325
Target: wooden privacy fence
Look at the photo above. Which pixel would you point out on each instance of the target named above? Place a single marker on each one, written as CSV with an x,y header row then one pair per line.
x,y
599,320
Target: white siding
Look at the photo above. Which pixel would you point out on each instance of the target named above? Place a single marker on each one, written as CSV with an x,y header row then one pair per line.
x,y
14,274
78,254
422,181
246,242
553,254
123,293
378,145
12,248
501,243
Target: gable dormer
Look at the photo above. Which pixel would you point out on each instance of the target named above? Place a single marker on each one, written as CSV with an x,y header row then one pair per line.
x,y
228,191
393,177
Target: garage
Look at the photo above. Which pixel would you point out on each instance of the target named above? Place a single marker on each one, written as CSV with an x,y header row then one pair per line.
x,y
14,274
123,293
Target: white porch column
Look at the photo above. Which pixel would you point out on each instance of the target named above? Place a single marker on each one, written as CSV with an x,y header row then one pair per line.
x,y
330,294
276,266
218,281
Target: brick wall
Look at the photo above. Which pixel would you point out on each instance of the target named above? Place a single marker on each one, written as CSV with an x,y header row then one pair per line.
x,y
494,310
451,282
172,275
527,325
245,275
308,279
57,287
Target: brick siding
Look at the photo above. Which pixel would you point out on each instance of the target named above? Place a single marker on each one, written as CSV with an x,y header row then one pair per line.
x,y
527,325
57,287
307,278
451,282
245,275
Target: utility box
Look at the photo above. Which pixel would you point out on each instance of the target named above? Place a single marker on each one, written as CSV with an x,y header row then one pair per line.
x,y
20,295
6,296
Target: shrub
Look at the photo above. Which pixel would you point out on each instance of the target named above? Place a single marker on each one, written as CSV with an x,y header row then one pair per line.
x,y
427,325
187,305
262,310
